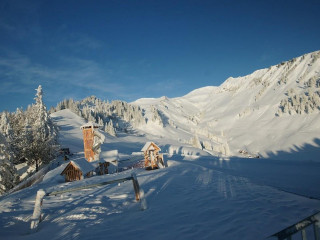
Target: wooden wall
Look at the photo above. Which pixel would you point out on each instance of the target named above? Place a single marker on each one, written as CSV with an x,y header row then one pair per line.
x,y
72,174
88,137
152,162
103,168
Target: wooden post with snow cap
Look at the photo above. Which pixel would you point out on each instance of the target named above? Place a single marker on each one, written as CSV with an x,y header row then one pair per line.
x,y
136,186
36,217
139,193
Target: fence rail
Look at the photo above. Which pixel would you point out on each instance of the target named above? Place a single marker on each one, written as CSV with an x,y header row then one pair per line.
x,y
89,186
41,194
301,226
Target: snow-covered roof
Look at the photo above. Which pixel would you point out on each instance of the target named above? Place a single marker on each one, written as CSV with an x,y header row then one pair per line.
x,y
83,165
109,156
89,125
148,147
136,154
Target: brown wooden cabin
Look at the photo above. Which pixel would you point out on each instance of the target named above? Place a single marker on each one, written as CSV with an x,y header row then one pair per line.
x,y
152,158
88,139
108,162
78,170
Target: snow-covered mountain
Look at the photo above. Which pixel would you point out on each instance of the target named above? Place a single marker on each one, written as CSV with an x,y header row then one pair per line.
x,y
273,112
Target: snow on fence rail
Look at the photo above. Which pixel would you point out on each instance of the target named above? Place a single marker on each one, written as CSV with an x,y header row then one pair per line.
x,y
301,226
36,217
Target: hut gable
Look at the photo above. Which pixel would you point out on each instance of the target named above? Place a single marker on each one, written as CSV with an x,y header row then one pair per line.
x,y
83,165
77,170
150,146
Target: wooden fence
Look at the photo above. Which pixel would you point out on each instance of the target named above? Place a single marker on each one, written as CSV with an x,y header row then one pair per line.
x,y
287,233
41,194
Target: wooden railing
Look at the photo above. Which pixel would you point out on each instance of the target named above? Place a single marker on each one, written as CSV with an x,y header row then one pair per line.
x,y
287,233
41,194
34,178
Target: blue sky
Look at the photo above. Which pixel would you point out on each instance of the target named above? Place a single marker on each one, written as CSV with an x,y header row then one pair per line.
x,y
127,49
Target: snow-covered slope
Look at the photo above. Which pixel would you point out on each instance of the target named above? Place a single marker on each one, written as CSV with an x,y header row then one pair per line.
x,y
196,197
273,113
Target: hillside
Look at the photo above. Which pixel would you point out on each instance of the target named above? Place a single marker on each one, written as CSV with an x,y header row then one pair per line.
x,y
272,113
197,197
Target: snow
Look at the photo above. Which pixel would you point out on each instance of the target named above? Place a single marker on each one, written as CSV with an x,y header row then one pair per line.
x,y
148,145
36,216
202,194
245,108
145,147
24,170
83,165
185,201
197,196
109,156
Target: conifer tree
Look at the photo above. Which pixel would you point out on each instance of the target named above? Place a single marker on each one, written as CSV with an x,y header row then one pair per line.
x,y
110,129
8,173
44,135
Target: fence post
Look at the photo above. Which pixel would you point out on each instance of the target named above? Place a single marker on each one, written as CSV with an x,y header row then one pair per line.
x,y
303,234
316,231
139,193
36,217
136,186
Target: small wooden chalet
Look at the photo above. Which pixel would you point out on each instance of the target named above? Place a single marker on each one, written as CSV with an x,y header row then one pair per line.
x,y
108,162
152,158
78,170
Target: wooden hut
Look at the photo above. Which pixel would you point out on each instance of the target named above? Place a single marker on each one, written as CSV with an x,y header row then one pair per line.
x,y
152,158
108,162
78,170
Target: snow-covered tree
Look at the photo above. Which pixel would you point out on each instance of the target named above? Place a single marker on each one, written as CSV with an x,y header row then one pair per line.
x,y
5,127
8,173
196,142
123,115
207,145
156,116
8,132
110,129
44,135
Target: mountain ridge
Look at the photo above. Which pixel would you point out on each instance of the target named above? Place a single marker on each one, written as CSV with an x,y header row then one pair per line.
x,y
270,111
276,100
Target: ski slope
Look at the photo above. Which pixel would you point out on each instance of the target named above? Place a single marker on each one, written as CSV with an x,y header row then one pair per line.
x,y
198,196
